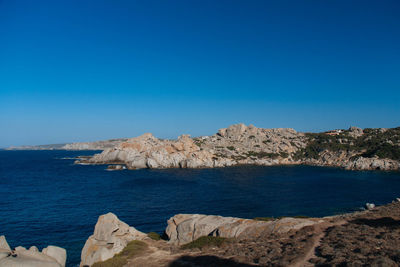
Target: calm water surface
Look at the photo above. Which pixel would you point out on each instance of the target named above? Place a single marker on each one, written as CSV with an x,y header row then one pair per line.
x,y
45,199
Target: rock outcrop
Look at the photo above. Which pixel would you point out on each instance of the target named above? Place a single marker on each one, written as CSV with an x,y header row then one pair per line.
x,y
51,256
362,163
185,228
237,144
146,151
363,238
354,149
109,238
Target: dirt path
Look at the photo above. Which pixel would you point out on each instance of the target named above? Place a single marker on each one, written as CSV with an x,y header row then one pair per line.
x,y
320,233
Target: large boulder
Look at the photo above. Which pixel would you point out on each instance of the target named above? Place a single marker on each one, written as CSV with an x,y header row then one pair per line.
x,y
55,252
355,132
184,228
51,256
109,238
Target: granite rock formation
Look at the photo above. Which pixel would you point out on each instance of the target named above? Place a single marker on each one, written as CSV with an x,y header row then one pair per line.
x,y
50,256
364,238
237,144
185,228
354,149
109,238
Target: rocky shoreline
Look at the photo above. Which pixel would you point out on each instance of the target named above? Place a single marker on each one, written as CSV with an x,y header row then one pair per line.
x,y
248,145
50,256
365,238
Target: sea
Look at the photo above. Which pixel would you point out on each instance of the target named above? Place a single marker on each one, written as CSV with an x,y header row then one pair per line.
x,y
47,200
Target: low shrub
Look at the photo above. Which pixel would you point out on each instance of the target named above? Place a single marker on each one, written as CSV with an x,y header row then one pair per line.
x,y
154,236
113,262
205,241
132,249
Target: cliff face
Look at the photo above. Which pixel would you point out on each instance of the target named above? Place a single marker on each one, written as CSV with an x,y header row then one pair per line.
x,y
241,144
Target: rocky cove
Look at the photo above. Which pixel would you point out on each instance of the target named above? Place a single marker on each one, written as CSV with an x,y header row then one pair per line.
x,y
50,193
352,149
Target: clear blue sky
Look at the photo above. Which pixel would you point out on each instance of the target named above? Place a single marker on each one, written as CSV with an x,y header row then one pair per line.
x,y
92,70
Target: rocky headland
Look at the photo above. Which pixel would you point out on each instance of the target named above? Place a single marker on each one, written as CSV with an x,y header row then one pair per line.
x,y
353,149
365,238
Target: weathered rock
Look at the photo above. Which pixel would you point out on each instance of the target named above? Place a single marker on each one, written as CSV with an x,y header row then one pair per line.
x,y
237,144
240,144
20,248
146,151
117,167
109,238
34,248
362,163
369,206
21,257
57,253
3,243
184,228
355,132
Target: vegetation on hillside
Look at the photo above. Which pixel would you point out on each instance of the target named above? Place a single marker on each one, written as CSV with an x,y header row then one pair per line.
x,y
373,143
154,236
134,248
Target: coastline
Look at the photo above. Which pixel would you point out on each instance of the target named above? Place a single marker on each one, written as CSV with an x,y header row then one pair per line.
x,y
212,240
248,145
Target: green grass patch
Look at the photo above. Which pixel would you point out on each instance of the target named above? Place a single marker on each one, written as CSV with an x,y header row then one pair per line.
x,y
238,157
284,154
131,250
154,236
113,262
230,147
262,154
205,241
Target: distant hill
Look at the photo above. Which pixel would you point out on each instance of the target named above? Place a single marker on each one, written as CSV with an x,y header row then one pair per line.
x,y
98,145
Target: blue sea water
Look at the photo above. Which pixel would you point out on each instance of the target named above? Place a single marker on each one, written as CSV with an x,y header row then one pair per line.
x,y
45,199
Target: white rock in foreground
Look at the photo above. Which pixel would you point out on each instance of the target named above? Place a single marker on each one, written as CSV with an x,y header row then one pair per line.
x,y
51,256
185,228
109,238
